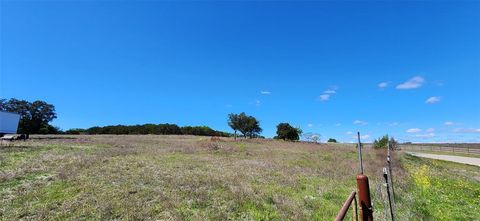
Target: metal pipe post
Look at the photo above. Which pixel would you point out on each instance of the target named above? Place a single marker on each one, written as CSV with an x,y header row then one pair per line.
x,y
360,153
389,160
385,175
363,188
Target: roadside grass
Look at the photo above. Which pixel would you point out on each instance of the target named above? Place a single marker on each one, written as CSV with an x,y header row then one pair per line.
x,y
193,178
443,190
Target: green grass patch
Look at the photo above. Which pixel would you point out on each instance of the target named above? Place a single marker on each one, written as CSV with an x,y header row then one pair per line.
x,y
443,190
9,184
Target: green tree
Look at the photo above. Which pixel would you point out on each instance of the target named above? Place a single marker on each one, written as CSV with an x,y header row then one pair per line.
x,y
332,140
383,142
247,125
234,123
34,117
286,132
76,131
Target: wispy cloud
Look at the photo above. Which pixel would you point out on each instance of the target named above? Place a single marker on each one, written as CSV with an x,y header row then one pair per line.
x,y
338,124
359,122
432,100
229,105
349,133
414,82
265,92
414,130
324,97
429,130
393,124
467,130
309,125
363,137
366,136
427,135
448,123
383,84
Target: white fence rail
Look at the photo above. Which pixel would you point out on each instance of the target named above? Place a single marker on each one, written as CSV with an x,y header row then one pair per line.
x,y
465,150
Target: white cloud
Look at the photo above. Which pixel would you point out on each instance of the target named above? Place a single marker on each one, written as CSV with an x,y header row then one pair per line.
x,y
414,130
265,92
414,82
448,123
432,100
349,132
429,130
383,84
324,97
258,102
428,135
310,125
393,124
362,137
229,105
338,124
467,130
360,122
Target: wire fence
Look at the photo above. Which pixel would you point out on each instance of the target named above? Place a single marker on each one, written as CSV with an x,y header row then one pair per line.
x,y
453,149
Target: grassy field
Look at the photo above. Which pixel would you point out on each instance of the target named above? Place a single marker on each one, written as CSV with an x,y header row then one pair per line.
x,y
194,178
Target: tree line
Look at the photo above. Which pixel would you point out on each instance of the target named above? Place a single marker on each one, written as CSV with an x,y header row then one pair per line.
x,y
159,129
35,118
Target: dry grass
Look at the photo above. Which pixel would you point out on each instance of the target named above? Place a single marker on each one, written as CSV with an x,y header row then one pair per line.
x,y
184,178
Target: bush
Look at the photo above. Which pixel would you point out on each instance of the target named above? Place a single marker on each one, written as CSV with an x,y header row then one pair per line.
x,y
286,132
331,140
76,131
383,142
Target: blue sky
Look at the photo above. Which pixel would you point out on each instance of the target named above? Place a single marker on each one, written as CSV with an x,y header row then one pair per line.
x,y
409,69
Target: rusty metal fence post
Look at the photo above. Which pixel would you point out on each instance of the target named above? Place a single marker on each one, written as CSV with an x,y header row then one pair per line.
x,y
366,210
343,211
363,189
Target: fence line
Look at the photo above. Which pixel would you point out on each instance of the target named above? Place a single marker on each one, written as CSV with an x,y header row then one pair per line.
x,y
465,150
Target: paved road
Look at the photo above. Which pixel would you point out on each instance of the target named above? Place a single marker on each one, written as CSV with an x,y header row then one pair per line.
x,y
458,159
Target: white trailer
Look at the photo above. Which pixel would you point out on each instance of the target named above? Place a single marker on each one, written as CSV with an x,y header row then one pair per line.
x,y
8,122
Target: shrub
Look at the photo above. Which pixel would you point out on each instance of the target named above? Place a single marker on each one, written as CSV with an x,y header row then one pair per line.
x,y
383,142
332,140
286,132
